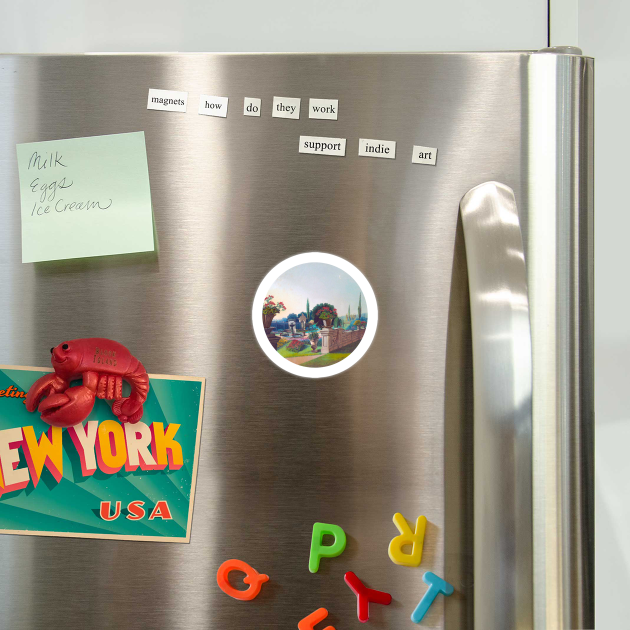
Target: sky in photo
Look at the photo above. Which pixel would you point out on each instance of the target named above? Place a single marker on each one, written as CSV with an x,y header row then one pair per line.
x,y
318,282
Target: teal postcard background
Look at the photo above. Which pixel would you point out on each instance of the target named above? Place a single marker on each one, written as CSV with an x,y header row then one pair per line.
x,y
72,505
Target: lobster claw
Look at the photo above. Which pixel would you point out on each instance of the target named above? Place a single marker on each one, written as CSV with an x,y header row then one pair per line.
x,y
68,408
128,410
43,386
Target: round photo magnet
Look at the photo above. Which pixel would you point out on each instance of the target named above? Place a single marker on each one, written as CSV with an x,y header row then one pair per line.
x,y
315,315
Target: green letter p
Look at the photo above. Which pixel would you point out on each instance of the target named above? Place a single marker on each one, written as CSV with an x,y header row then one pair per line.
x,y
319,551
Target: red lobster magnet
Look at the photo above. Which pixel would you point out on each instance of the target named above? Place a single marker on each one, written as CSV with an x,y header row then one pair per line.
x,y
102,364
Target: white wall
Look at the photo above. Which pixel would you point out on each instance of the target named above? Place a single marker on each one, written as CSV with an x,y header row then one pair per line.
x,y
604,27
282,25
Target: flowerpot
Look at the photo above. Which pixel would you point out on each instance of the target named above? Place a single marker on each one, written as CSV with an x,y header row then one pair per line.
x,y
326,323
314,346
267,319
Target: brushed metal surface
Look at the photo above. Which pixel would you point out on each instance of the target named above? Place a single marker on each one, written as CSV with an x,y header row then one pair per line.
x,y
502,368
560,276
232,197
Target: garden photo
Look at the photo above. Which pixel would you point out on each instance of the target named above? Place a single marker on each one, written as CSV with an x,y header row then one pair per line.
x,y
315,315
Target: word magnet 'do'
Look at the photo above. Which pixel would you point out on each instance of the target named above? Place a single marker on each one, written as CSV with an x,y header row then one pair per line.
x,y
319,551
252,577
407,537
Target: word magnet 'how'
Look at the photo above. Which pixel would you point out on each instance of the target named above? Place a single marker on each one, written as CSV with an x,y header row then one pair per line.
x,y
436,586
309,623
252,577
407,537
365,595
319,550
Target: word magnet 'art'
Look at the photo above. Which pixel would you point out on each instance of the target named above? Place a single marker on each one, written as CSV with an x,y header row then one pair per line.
x,y
365,595
98,448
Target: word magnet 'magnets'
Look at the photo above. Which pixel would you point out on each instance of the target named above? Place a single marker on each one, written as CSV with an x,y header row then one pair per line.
x,y
407,537
319,550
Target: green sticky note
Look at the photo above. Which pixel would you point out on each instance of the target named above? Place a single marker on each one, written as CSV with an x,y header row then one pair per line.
x,y
85,197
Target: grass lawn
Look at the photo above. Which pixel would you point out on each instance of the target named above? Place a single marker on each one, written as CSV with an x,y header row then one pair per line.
x,y
283,352
327,359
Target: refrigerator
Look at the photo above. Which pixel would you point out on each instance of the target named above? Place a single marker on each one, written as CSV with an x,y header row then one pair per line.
x,y
457,191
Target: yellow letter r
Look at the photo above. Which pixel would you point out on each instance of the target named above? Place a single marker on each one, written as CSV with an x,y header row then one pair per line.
x,y
407,537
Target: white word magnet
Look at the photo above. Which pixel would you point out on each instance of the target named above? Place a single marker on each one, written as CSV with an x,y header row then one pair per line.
x,y
377,148
284,107
251,106
325,108
322,146
213,105
167,100
424,155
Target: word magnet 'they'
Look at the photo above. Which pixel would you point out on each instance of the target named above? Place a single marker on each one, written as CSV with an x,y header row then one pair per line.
x,y
319,550
407,537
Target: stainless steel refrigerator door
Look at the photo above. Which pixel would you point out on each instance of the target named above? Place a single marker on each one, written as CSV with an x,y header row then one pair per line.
x,y
232,198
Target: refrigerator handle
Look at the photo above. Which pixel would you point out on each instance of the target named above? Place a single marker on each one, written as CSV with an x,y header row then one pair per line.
x,y
502,374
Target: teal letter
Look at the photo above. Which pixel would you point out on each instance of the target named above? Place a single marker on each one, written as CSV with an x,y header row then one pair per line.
x,y
319,551
436,586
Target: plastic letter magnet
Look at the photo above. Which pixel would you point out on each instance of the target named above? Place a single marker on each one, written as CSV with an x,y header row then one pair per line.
x,y
436,586
319,551
252,577
308,623
407,537
365,596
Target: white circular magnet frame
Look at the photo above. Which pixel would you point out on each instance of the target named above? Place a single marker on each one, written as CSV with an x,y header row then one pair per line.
x,y
305,282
